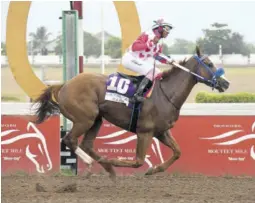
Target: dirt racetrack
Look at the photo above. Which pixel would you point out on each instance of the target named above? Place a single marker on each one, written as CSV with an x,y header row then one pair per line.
x,y
167,188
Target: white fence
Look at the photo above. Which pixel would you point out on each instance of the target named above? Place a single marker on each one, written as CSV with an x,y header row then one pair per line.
x,y
234,59
58,60
189,109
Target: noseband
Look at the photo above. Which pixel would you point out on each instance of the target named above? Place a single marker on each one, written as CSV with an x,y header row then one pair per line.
x,y
212,82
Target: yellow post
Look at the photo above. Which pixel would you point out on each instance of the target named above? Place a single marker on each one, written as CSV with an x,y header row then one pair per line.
x,y
17,50
130,26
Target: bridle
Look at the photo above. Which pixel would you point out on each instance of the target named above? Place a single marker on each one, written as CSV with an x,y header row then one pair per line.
x,y
212,82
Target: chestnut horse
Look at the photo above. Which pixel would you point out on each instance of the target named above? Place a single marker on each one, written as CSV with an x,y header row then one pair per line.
x,y
82,100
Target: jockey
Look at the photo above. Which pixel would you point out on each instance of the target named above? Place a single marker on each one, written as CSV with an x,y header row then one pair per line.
x,y
141,55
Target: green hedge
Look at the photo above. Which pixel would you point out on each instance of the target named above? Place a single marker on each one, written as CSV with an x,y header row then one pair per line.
x,y
204,97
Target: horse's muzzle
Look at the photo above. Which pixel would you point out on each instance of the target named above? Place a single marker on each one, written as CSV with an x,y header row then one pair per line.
x,y
222,84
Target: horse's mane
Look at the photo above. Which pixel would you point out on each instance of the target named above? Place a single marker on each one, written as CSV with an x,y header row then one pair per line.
x,y
168,72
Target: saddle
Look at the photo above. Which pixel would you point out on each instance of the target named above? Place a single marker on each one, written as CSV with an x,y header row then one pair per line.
x,y
120,88
134,79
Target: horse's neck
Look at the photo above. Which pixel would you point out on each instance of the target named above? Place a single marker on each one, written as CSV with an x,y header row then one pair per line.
x,y
177,86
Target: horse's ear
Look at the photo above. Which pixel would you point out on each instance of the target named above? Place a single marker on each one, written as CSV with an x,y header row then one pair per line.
x,y
198,51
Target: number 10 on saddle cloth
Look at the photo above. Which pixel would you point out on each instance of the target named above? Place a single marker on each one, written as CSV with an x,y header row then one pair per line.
x,y
120,88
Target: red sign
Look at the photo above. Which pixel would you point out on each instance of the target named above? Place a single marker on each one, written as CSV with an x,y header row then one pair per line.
x,y
28,147
211,145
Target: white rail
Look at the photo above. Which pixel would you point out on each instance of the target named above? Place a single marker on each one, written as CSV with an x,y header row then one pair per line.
x,y
188,109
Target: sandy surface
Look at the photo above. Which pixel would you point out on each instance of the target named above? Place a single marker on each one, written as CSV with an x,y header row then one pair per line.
x,y
138,188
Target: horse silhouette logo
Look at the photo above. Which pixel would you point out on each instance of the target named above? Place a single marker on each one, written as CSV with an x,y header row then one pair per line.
x,y
119,138
35,146
233,141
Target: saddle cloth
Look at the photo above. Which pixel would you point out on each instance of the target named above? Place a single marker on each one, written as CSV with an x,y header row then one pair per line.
x,y
121,87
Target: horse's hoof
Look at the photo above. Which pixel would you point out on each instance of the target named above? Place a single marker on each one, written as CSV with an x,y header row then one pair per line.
x,y
150,171
88,175
89,166
113,177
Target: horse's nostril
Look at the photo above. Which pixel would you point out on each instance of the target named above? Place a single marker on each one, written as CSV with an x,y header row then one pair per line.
x,y
223,83
226,83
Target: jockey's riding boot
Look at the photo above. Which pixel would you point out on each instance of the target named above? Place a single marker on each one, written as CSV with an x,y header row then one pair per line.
x,y
138,96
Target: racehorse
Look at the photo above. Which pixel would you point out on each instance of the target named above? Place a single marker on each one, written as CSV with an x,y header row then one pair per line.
x,y
82,100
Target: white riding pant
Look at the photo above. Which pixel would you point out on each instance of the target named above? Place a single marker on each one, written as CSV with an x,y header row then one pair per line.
x,y
139,66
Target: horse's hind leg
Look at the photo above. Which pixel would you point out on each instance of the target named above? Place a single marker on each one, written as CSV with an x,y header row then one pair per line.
x,y
88,143
82,110
170,142
71,141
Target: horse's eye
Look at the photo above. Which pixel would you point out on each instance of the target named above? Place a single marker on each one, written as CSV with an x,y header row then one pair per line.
x,y
210,65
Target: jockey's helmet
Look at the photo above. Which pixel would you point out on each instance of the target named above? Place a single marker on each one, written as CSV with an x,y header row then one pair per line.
x,y
160,25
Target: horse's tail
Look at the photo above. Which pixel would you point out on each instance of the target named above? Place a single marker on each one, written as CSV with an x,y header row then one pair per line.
x,y
47,103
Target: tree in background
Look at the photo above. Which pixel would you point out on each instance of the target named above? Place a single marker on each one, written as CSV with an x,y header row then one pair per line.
x,y
217,34
92,46
40,39
3,48
58,47
220,34
251,47
238,45
182,46
113,47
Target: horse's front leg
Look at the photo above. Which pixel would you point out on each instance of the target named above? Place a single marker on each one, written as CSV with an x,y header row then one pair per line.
x,y
167,139
143,142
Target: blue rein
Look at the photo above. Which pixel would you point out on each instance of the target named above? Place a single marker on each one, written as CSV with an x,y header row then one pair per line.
x,y
213,81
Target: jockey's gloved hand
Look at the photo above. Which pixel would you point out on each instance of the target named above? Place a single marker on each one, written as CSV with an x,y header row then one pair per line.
x,y
170,60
